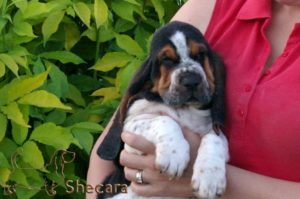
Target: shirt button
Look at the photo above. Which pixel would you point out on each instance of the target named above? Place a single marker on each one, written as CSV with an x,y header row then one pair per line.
x,y
285,54
247,88
268,72
241,113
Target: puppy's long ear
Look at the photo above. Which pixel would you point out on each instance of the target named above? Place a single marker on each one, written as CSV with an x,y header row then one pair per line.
x,y
140,81
112,143
218,102
142,76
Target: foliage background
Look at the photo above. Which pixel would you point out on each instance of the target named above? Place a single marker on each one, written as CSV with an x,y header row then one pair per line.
x,y
63,66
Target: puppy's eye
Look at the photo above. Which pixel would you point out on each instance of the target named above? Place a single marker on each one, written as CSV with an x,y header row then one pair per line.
x,y
168,61
199,57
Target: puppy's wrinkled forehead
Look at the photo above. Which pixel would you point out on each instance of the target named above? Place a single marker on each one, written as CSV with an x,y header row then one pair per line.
x,y
178,34
179,41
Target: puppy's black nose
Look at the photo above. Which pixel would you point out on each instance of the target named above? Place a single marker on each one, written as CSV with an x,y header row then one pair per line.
x,y
190,80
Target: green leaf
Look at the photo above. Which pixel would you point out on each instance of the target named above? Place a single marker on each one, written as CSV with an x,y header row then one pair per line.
x,y
13,113
111,60
109,93
10,63
89,126
4,175
39,66
19,51
56,5
84,83
100,12
125,74
63,56
19,133
34,180
91,33
34,177
85,139
3,22
51,24
70,11
43,99
20,55
83,12
72,35
123,25
52,135
59,82
75,95
159,8
35,10
56,116
7,147
22,5
2,69
23,28
142,37
19,87
123,10
22,61
32,155
26,193
3,126
129,45
106,33
19,177
3,161
133,2
126,10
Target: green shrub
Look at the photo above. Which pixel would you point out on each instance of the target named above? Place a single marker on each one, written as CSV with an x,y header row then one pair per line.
x,y
63,66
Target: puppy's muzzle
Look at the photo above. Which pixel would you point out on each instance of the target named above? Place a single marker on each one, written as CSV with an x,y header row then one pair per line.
x,y
190,80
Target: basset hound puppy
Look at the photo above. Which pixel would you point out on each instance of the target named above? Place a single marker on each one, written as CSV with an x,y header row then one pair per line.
x,y
181,84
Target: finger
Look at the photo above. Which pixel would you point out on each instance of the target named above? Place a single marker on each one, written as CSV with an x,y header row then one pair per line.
x,y
194,140
148,176
138,142
191,137
138,162
162,189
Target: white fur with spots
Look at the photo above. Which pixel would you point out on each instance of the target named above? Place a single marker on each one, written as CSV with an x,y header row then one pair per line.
x,y
161,125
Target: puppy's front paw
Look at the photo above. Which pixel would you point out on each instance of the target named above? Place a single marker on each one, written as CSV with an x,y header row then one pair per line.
x,y
173,157
209,178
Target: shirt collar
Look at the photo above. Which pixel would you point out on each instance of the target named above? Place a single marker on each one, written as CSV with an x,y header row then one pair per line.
x,y
255,9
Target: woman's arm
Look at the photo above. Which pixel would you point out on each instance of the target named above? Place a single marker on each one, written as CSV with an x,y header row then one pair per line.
x,y
241,183
248,185
196,12
99,169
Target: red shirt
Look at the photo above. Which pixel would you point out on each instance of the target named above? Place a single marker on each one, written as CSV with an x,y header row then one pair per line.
x,y
263,110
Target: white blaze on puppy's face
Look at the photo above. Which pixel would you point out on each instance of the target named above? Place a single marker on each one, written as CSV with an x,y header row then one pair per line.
x,y
186,62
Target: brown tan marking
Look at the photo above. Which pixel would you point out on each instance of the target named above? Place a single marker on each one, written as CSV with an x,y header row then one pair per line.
x,y
167,51
209,71
196,48
163,81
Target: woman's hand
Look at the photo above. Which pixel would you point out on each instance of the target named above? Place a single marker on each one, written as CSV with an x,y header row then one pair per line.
x,y
156,183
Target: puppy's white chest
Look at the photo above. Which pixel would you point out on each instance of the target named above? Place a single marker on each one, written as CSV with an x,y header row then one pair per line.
x,y
198,121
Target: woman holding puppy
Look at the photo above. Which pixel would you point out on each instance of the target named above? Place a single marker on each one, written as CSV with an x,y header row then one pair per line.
x,y
259,42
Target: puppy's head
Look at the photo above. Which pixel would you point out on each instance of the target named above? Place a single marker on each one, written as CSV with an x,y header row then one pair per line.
x,y
181,70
